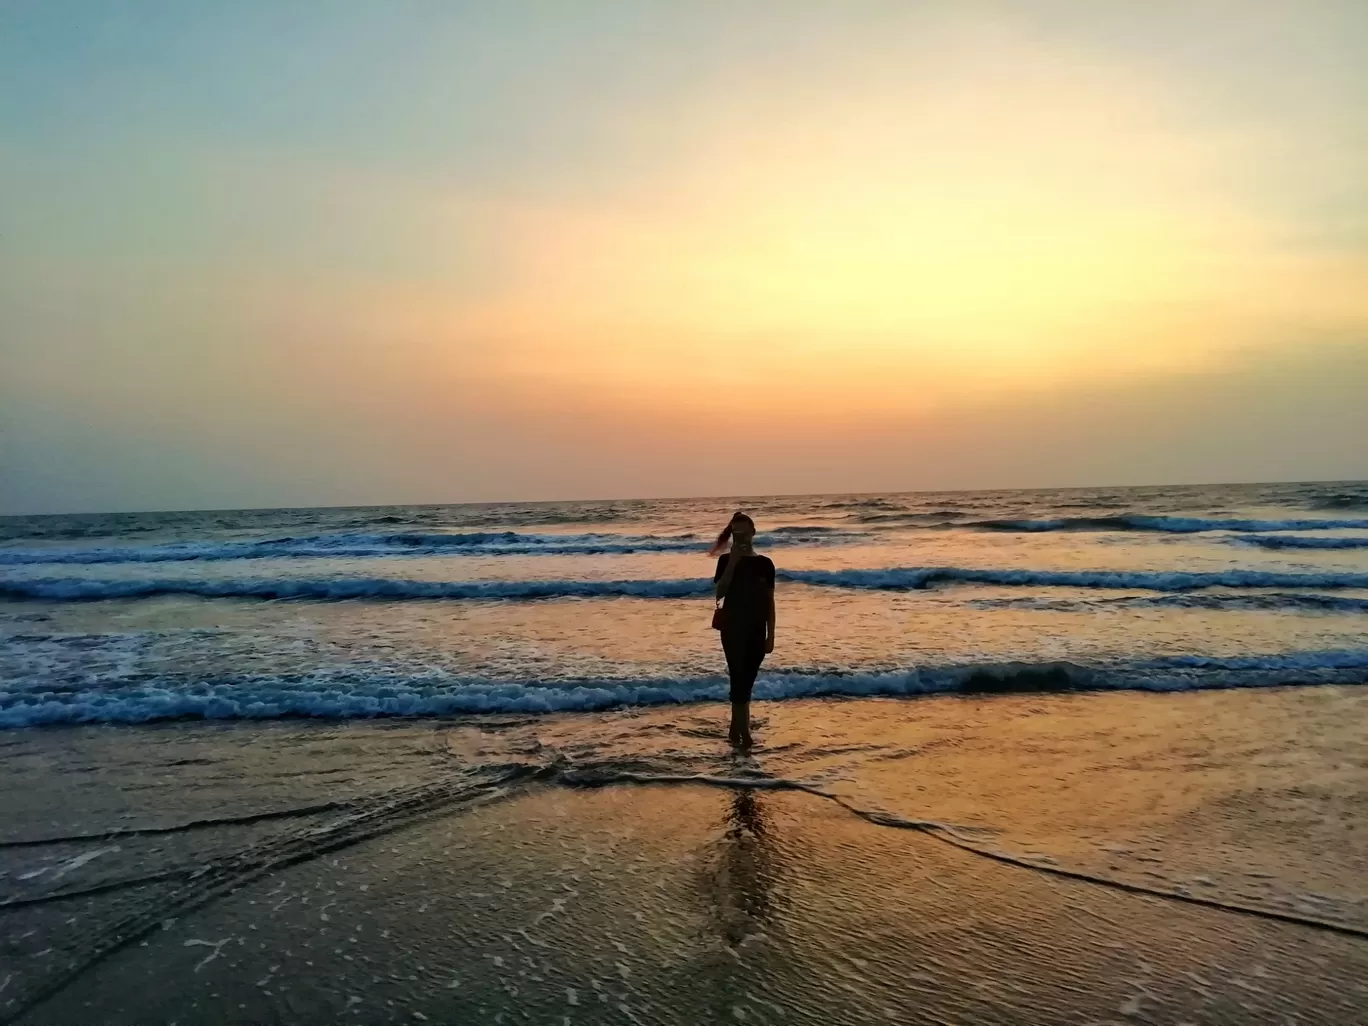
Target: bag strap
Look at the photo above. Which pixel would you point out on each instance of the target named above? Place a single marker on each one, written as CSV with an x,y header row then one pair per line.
x,y
730,568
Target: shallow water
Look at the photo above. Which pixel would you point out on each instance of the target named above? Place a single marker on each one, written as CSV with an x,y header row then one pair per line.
x,y
421,610
1048,859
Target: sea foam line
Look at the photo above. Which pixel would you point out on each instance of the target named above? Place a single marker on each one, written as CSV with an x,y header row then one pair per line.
x,y
511,543
910,578
350,695
351,545
1165,524
1296,541
1275,601
892,579
75,589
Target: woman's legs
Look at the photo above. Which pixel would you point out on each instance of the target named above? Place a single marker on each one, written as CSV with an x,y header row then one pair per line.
x,y
744,656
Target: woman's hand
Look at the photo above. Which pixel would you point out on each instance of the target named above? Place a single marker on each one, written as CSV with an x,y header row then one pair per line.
x,y
769,644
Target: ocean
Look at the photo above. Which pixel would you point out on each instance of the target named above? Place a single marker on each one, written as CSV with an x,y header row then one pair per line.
x,y
459,764
401,611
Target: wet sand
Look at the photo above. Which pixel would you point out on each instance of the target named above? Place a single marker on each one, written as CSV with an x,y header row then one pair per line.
x,y
615,869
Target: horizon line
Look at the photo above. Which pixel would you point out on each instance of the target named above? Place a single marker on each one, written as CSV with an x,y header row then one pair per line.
x,y
675,498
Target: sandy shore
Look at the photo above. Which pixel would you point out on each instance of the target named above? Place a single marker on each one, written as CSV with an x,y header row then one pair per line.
x,y
611,869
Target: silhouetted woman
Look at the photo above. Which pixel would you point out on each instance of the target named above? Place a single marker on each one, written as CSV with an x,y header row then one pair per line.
x,y
745,587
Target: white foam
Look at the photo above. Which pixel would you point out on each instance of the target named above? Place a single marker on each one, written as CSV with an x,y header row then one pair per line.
x,y
1296,541
1165,524
332,588
891,579
356,545
1275,601
340,695
907,578
353,545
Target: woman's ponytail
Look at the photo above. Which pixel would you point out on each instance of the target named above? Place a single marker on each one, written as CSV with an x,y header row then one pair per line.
x,y
723,540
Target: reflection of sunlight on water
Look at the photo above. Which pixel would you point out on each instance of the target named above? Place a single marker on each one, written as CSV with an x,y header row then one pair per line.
x,y
1132,787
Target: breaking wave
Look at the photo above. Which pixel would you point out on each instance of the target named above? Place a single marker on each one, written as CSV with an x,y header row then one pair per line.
x,y
331,588
909,578
341,695
1165,524
1350,499
406,543
1296,541
1300,602
476,543
73,589
351,544
936,518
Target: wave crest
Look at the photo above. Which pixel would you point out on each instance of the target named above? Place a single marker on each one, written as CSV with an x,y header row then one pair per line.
x,y
911,578
75,589
341,696
410,543
1352,498
1257,601
1163,524
1296,541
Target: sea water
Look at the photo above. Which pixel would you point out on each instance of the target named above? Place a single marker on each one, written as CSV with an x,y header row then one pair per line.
x,y
554,606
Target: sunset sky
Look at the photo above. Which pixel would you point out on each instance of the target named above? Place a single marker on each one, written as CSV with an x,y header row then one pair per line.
x,y
270,254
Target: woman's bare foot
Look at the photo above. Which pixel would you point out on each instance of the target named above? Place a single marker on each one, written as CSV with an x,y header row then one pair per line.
x,y
738,733
744,741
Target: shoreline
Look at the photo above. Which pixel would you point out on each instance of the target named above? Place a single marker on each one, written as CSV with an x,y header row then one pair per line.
x,y
1241,796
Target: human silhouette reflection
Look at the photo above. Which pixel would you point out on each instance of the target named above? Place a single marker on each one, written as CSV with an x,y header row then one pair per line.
x,y
747,869
739,883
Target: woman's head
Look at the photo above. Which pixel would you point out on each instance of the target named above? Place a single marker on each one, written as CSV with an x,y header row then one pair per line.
x,y
741,529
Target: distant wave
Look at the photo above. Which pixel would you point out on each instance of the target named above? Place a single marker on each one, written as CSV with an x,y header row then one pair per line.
x,y
935,518
40,528
1138,522
910,578
1294,541
335,588
1100,502
1276,601
408,543
868,502
341,695
1351,499
357,545
1165,524
894,579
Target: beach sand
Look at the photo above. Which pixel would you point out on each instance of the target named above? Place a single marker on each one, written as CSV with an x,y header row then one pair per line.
x,y
877,860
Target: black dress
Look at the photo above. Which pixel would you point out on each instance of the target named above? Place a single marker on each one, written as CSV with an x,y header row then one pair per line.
x,y
745,619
